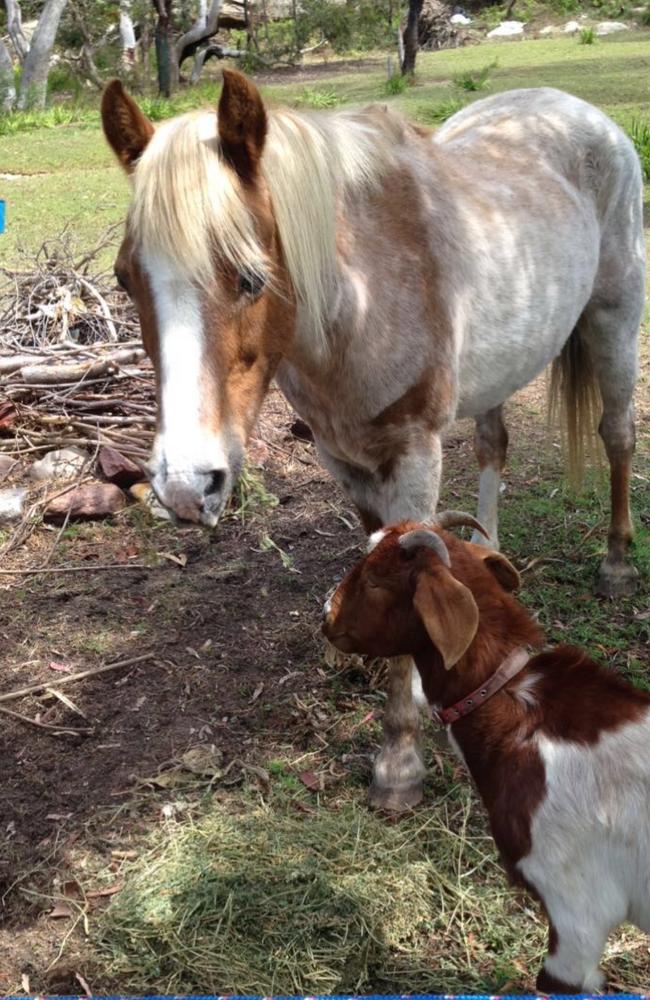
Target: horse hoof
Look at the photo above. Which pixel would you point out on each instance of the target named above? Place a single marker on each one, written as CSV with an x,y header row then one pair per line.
x,y
616,580
395,800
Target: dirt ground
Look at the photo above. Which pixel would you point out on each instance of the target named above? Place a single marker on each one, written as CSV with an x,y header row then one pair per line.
x,y
236,664
232,637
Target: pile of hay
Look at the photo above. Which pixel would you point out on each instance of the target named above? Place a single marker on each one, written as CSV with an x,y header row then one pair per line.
x,y
282,901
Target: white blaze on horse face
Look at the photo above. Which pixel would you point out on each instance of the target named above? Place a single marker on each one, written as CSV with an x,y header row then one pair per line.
x,y
189,464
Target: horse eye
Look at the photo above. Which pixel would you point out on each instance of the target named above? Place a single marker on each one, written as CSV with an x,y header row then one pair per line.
x,y
251,283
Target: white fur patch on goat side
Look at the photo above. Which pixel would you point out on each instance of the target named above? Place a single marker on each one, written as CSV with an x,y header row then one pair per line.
x,y
590,856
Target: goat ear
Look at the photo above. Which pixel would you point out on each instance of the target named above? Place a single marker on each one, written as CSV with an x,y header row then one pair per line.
x,y
449,614
501,568
126,128
242,124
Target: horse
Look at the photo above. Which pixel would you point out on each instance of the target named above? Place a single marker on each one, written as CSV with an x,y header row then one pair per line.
x,y
391,280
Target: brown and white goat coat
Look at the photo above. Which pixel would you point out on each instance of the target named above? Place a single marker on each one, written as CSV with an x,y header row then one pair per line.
x,y
560,755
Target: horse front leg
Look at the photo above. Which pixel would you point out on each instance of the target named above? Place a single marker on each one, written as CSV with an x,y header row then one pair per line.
x,y
398,771
491,446
406,487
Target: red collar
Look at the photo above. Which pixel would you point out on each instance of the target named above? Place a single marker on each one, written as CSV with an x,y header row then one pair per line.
x,y
511,666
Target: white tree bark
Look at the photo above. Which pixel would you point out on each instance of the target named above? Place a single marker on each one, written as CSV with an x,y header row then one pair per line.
x,y
15,29
203,28
7,86
33,85
127,36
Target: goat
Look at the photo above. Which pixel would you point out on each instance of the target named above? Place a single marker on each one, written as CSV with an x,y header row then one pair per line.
x,y
558,746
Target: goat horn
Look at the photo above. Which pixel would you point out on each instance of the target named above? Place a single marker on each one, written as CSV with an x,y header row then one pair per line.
x,y
457,519
428,539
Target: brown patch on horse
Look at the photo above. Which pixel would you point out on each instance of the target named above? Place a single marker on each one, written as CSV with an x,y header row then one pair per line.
x,y
126,128
242,124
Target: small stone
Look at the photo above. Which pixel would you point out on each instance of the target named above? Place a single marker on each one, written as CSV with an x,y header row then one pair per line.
x,y
65,463
143,493
12,504
571,27
86,503
548,30
117,468
460,19
507,29
7,463
610,27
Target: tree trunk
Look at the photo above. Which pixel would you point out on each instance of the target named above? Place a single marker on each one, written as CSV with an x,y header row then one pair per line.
x,y
33,85
411,37
15,29
164,47
127,36
7,85
202,30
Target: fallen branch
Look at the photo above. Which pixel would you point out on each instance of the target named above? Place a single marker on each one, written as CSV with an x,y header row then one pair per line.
x,y
55,730
34,688
53,374
35,571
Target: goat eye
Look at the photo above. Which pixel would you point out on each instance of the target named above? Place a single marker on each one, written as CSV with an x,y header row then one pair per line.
x,y
251,283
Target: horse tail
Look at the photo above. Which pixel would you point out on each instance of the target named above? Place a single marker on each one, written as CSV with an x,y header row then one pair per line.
x,y
575,402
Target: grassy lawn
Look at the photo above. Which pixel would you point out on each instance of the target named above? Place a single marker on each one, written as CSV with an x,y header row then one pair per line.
x,y
259,869
66,175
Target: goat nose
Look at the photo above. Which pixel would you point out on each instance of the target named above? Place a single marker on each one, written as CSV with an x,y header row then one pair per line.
x,y
216,480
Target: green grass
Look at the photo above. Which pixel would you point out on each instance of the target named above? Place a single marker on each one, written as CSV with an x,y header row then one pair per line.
x,y
65,171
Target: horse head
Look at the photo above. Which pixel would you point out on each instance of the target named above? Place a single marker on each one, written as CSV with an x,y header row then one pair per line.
x,y
201,260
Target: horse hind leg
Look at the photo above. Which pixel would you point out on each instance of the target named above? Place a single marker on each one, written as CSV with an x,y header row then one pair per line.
x,y
612,335
491,446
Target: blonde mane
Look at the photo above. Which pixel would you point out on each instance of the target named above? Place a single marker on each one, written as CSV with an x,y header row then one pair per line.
x,y
187,201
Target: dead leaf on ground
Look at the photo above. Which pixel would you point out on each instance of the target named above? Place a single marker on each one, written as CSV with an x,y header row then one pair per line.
x,y
110,890
311,780
180,560
63,668
62,910
257,692
68,702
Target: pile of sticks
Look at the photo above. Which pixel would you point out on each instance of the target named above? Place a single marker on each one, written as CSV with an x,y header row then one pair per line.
x,y
72,368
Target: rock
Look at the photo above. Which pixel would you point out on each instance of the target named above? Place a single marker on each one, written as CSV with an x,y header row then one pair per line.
x,y
117,468
460,19
550,29
86,503
143,493
571,27
7,463
12,504
610,27
66,463
507,29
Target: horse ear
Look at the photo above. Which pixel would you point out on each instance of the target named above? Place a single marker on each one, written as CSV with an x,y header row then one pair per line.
x,y
126,128
448,612
501,568
242,124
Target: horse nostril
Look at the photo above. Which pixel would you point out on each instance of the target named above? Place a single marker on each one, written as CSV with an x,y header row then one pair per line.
x,y
216,482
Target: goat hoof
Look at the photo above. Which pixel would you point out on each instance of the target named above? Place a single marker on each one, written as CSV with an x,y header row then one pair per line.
x,y
617,579
548,985
395,800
